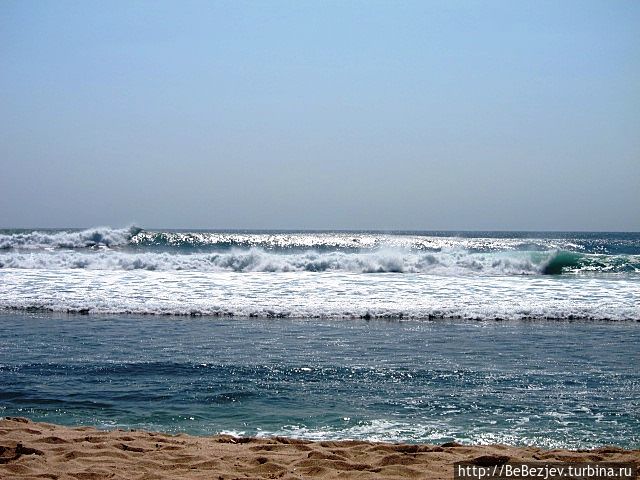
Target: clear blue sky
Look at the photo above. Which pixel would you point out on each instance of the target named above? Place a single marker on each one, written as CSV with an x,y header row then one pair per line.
x,y
324,114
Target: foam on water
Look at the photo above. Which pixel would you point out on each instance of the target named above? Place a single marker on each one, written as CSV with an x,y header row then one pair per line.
x,y
384,430
93,237
323,274
321,295
453,262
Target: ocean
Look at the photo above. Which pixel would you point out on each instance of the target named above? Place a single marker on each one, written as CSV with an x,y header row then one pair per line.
x,y
341,275
479,337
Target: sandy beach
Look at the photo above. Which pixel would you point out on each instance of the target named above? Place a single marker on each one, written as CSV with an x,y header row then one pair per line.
x,y
41,450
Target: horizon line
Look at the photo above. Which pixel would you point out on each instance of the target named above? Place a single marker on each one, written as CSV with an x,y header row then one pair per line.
x,y
321,230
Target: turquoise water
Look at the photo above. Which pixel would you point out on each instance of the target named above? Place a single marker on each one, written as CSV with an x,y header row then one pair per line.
x,y
548,383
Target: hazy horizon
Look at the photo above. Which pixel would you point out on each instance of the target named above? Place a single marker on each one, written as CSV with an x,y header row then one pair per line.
x,y
388,116
320,230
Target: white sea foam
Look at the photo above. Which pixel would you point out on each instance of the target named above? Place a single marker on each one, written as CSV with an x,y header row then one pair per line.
x,y
421,432
445,262
372,431
258,260
93,237
106,270
322,295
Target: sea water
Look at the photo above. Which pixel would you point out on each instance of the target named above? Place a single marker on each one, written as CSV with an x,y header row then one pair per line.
x,y
520,338
490,275
550,384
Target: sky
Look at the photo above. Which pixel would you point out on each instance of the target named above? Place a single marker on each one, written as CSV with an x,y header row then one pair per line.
x,y
390,115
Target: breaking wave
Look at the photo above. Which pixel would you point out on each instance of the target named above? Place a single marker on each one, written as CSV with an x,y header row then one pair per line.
x,y
457,262
258,260
104,248
135,238
52,239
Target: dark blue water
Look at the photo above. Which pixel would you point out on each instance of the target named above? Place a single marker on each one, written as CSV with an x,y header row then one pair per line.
x,y
544,383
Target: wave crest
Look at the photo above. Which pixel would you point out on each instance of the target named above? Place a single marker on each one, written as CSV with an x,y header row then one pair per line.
x,y
259,260
92,237
104,248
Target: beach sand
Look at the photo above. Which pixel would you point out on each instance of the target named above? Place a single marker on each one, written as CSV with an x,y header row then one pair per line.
x,y
40,450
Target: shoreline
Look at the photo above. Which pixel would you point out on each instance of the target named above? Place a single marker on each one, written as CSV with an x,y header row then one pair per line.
x,y
42,450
